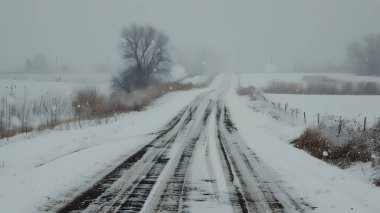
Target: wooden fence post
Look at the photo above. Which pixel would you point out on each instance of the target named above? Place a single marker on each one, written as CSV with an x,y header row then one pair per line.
x,y
79,115
304,116
318,118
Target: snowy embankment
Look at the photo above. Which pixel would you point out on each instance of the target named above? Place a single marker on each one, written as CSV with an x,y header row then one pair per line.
x,y
327,187
36,168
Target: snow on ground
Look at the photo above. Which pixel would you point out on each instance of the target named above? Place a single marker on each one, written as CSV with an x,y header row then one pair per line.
x,y
178,73
347,106
64,84
263,79
47,165
33,89
197,80
69,77
52,166
326,187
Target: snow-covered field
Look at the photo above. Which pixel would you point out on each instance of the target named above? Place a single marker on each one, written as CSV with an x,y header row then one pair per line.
x,y
29,99
68,77
36,84
260,80
347,106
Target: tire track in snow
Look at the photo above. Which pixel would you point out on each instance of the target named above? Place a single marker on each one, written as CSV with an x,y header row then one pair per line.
x,y
157,177
120,181
255,186
126,188
175,194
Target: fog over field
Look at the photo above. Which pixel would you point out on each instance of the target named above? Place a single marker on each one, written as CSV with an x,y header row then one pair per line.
x,y
248,35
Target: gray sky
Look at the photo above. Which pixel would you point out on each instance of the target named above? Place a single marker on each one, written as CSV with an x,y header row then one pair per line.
x,y
246,32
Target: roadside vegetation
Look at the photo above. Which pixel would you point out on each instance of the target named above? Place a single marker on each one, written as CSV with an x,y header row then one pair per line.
x,y
344,149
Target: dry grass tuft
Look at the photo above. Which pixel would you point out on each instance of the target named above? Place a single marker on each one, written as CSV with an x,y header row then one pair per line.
x,y
14,131
283,87
139,99
247,91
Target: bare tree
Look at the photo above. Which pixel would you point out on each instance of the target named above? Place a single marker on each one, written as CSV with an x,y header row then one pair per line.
x,y
364,56
124,81
145,50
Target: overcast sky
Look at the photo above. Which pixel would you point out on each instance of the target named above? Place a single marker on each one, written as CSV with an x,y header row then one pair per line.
x,y
82,33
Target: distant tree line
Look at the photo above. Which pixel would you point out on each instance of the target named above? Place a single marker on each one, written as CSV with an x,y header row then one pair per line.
x,y
363,57
38,63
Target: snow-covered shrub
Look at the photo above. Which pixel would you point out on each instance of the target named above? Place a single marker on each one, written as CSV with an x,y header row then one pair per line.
x,y
318,145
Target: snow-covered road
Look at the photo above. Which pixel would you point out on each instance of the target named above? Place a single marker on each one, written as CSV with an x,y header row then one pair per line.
x,y
209,152
176,171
